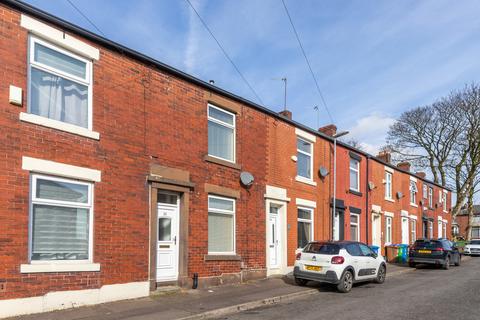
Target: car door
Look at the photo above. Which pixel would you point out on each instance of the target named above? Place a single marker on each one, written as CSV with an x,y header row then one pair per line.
x,y
356,255
369,263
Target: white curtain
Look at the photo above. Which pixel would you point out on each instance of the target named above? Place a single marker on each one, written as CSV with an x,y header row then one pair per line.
x,y
57,98
220,141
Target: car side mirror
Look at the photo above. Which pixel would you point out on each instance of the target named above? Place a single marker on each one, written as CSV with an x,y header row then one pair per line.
x,y
373,255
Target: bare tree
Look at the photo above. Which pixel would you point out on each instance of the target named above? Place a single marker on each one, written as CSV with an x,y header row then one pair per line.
x,y
354,143
444,137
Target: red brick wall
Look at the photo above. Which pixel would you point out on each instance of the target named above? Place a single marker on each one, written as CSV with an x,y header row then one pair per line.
x,y
281,172
343,190
143,116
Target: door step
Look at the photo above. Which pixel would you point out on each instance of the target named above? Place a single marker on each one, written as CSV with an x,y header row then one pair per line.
x,y
166,290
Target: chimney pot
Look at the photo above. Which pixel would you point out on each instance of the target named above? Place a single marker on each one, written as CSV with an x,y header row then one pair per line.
x,y
385,156
421,174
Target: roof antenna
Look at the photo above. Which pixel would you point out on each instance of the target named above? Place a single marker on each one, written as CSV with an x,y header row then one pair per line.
x,y
284,79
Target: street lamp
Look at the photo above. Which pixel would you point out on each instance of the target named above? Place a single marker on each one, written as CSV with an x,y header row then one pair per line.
x,y
335,137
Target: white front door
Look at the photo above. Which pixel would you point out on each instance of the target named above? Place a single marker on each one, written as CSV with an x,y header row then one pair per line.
x,y
167,238
405,230
274,237
336,226
376,230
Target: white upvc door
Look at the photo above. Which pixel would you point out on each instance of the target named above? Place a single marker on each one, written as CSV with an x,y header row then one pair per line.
x,y
405,237
167,241
377,230
274,238
336,226
440,229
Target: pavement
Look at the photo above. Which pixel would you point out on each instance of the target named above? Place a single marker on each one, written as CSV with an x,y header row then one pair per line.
x,y
209,303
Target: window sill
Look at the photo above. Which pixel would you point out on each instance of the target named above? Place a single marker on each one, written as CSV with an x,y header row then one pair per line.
x,y
222,162
414,205
305,180
389,199
224,257
354,192
59,267
62,126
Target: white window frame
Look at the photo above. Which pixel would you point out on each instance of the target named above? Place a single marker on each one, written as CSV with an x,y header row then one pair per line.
x,y
228,125
388,185
355,224
444,231
299,177
413,230
224,212
312,211
88,81
388,230
413,193
357,171
34,200
425,191
444,202
430,197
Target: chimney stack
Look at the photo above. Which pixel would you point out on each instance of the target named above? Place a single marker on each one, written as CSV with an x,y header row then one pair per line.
x,y
329,130
404,166
385,156
421,174
286,113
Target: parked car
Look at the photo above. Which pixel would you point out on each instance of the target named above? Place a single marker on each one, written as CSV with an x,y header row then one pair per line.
x,y
438,252
472,247
339,262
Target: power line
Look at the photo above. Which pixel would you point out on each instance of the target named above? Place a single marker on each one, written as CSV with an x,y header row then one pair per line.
x,y
85,16
224,52
308,62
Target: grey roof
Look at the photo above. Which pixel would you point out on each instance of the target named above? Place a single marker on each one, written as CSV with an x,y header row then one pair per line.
x,y
476,210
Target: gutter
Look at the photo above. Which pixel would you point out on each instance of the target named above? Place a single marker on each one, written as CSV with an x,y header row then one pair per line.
x,y
149,61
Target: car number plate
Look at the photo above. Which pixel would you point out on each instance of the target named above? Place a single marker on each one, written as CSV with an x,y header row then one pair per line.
x,y
313,268
424,251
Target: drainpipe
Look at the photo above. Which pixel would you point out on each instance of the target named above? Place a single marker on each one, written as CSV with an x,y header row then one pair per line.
x,y
367,190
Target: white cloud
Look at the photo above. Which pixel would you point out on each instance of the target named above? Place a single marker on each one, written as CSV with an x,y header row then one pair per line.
x,y
370,131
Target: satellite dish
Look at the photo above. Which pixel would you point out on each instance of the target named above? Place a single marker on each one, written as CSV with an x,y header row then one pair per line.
x,y
323,172
371,185
399,195
246,178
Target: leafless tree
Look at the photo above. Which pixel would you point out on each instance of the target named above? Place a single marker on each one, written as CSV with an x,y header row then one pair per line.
x,y
445,138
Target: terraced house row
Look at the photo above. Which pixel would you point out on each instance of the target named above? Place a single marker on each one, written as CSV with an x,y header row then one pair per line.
x,y
120,174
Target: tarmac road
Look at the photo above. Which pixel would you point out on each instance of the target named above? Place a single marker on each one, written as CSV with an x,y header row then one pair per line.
x,y
425,293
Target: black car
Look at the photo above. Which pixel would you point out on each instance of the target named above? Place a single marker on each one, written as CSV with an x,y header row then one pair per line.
x,y
438,252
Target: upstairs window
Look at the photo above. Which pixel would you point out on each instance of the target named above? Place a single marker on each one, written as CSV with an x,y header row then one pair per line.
x,y
388,185
425,191
304,158
444,201
388,230
354,175
61,214
430,197
60,85
413,192
221,133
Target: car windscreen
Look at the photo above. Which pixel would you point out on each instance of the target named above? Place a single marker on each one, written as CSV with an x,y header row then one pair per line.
x,y
428,244
475,242
322,248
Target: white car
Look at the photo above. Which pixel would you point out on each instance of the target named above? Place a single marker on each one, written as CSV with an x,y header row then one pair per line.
x,y
472,248
339,262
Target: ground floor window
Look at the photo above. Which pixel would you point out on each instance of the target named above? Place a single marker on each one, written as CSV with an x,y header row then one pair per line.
x,y
475,232
413,230
354,227
60,219
388,230
304,226
221,225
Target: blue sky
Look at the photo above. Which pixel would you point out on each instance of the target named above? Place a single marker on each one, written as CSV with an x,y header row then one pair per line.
x,y
372,59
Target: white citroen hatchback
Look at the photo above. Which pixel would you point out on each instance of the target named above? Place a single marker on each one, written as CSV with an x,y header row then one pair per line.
x,y
339,262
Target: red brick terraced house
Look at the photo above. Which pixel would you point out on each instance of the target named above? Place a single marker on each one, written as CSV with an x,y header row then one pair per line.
x,y
121,174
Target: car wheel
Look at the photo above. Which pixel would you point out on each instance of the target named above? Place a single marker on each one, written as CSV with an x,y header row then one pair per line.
x,y
412,264
381,274
457,263
301,282
346,282
446,265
